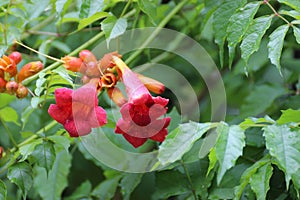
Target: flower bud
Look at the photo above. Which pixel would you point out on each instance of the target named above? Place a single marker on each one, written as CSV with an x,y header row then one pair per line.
x,y
21,92
16,57
151,84
11,87
72,63
8,65
108,80
87,56
92,70
116,95
1,152
29,70
107,60
2,85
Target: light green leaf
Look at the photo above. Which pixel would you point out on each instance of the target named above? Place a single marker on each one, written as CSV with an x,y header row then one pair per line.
x,y
44,49
292,13
63,47
229,146
113,27
44,155
61,6
295,4
149,8
56,180
129,183
252,121
253,36
89,8
297,33
5,99
87,21
283,144
84,9
63,73
27,149
248,173
260,181
3,190
106,189
260,98
21,175
275,45
8,114
212,160
180,141
81,192
238,25
25,115
220,22
288,116
61,141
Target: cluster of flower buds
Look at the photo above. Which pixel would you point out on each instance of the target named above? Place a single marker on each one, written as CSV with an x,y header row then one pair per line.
x,y
11,79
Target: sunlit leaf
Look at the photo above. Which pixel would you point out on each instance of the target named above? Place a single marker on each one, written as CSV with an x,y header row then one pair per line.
x,y
253,36
288,116
297,33
149,8
260,181
113,27
180,141
295,4
8,114
283,144
87,21
21,175
238,25
275,45
229,146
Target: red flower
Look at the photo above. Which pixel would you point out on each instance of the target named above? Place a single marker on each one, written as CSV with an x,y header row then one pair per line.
x,y
78,110
140,115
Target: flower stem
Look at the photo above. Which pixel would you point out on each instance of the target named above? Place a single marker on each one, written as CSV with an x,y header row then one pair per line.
x,y
189,179
156,31
276,13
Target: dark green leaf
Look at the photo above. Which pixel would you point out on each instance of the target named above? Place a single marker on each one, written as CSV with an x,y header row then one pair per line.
x,y
87,21
180,141
253,36
248,173
21,175
289,116
106,189
229,146
113,27
25,115
260,181
81,192
283,144
238,25
8,114
128,183
220,22
149,8
61,46
27,149
275,45
3,190
61,141
56,180
292,3
297,33
44,155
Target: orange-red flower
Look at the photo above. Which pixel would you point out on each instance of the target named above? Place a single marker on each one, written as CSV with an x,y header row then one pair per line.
x,y
78,110
8,65
29,70
72,63
16,57
141,114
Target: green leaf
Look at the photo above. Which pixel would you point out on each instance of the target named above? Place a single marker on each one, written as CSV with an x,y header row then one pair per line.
x,y
113,27
170,183
149,8
84,9
253,36
220,22
3,190
252,121
87,21
238,25
212,160
292,13
297,33
5,99
180,141
21,175
275,45
106,189
62,6
27,149
8,114
283,144
63,73
254,105
128,183
63,47
61,141
89,8
295,4
56,180
248,173
25,115
44,155
288,116
260,181
44,49
82,192
229,146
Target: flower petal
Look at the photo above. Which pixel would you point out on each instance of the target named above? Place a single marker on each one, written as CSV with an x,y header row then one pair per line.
x,y
78,128
59,114
160,137
136,142
63,97
98,117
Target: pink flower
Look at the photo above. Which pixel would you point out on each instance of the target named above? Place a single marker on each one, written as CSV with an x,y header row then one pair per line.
x,y
141,114
78,110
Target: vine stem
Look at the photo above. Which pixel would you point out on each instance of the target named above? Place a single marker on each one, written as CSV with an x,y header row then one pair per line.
x,y
189,179
275,12
156,31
